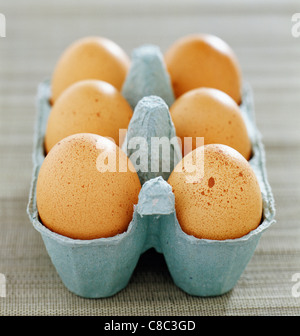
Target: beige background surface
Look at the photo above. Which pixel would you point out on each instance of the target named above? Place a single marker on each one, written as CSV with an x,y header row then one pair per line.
x,y
260,34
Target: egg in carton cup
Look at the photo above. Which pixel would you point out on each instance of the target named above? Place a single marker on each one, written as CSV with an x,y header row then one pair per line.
x,y
101,267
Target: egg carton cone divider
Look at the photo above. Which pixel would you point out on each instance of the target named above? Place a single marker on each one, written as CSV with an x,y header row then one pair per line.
x,y
102,267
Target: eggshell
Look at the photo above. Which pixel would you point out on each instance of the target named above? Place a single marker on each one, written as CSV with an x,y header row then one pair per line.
x,y
224,200
90,57
76,199
213,115
88,106
203,60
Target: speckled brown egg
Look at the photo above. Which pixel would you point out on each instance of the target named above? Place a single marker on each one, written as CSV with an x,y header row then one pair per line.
x,y
212,115
221,199
77,199
203,60
88,106
90,57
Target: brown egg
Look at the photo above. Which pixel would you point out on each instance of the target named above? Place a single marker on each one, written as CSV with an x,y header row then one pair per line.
x,y
88,106
77,199
221,199
213,115
90,58
203,60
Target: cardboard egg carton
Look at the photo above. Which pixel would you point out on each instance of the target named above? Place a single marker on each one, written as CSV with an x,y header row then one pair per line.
x,y
102,267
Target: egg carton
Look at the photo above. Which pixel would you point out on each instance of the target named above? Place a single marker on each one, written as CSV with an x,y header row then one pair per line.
x,y
102,267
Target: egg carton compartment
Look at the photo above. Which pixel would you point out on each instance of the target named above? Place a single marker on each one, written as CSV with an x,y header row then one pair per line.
x,y
102,267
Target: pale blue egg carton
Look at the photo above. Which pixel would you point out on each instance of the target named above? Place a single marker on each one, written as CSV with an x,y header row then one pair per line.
x,y
102,267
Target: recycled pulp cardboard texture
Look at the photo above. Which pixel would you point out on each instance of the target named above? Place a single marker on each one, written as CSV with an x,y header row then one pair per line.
x,y
102,267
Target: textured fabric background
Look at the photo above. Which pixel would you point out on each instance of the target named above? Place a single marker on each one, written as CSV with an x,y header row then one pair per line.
x,y
261,35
